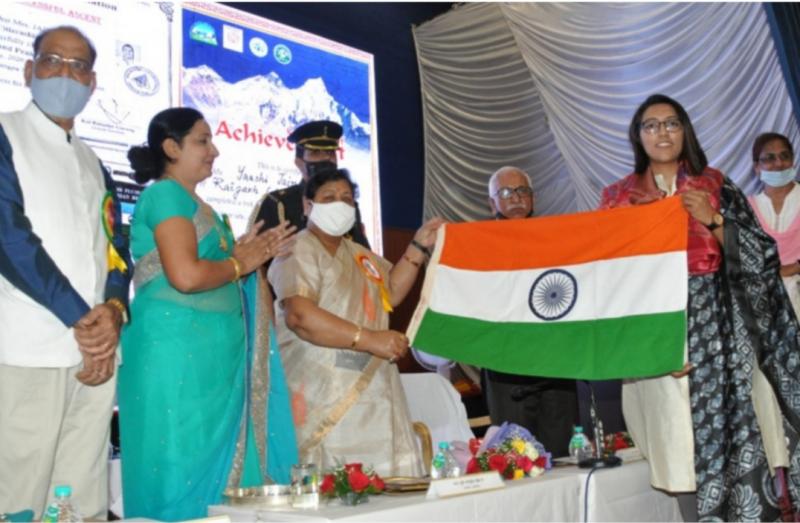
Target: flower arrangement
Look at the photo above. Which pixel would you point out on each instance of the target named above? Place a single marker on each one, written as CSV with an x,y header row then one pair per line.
x,y
618,441
511,450
351,483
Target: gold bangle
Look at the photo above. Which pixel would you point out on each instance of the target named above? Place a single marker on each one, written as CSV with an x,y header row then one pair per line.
x,y
117,304
356,337
236,269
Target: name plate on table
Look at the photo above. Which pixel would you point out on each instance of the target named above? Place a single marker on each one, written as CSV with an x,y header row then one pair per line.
x,y
469,484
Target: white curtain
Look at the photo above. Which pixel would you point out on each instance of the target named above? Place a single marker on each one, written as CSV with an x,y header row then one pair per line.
x,y
551,88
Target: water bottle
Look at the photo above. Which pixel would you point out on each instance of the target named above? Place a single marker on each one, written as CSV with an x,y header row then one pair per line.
x,y
444,464
580,447
439,463
452,467
63,508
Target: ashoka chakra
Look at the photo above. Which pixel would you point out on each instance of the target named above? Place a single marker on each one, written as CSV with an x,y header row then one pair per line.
x,y
553,294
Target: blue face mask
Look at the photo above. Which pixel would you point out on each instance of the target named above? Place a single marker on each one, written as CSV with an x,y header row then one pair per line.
x,y
60,96
778,178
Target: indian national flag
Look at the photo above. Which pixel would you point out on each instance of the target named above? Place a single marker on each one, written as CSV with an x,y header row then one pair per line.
x,y
593,295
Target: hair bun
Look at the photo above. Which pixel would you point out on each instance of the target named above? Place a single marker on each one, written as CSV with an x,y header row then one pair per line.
x,y
144,163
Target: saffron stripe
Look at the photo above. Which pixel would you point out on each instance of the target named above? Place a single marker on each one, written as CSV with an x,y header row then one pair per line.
x,y
528,244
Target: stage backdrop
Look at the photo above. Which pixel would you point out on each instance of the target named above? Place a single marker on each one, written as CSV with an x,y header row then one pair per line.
x,y
551,88
255,80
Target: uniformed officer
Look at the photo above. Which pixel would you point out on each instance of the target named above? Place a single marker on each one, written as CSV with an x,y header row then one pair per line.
x,y
316,144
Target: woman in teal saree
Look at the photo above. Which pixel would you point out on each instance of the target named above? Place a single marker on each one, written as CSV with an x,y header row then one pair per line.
x,y
199,386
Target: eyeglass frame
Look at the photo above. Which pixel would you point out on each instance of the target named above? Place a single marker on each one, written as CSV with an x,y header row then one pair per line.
x,y
660,123
526,192
71,63
770,158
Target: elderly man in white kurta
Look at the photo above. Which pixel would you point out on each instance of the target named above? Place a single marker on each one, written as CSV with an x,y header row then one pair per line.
x,y
63,289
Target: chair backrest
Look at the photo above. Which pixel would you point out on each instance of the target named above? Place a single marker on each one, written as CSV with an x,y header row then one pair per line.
x,y
425,443
433,401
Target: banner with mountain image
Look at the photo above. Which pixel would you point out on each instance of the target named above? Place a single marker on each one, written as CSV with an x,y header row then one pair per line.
x,y
594,295
255,81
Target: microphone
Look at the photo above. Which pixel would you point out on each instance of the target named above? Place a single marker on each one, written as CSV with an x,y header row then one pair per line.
x,y
599,460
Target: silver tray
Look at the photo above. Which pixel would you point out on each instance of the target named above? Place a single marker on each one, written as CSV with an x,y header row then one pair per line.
x,y
263,496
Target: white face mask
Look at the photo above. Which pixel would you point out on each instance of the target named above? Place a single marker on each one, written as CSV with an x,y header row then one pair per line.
x,y
778,178
335,218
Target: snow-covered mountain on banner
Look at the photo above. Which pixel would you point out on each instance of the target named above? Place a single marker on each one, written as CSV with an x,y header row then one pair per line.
x,y
266,98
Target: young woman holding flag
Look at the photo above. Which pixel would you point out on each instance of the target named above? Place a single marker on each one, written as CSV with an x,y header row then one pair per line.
x,y
717,426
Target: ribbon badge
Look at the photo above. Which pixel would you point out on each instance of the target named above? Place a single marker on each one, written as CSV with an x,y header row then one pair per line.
x,y
373,274
108,216
109,219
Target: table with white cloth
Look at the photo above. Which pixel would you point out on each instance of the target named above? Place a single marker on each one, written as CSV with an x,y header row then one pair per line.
x,y
616,494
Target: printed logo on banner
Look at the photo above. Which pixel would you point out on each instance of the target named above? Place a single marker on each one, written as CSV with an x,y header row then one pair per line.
x,y
141,80
203,32
282,54
258,47
232,38
253,107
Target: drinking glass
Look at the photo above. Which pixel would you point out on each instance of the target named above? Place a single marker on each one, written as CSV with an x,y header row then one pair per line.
x,y
305,486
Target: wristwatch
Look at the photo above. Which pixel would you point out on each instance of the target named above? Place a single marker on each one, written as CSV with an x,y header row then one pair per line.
x,y
716,221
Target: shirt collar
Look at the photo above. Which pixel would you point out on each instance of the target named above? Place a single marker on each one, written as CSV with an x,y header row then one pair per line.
x,y
46,126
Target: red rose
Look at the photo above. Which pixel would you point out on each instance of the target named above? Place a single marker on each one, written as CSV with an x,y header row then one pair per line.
x,y
474,445
524,463
358,480
473,466
326,487
350,467
377,483
541,462
497,462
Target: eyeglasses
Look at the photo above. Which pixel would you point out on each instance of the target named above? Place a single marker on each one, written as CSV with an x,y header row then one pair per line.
x,y
652,126
52,62
783,156
523,191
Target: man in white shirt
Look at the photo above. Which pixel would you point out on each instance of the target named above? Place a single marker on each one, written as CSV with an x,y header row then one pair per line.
x,y
64,274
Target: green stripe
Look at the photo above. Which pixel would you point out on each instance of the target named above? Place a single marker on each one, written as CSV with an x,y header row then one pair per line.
x,y
629,347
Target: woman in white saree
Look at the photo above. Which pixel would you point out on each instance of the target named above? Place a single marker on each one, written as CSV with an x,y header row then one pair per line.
x,y
333,300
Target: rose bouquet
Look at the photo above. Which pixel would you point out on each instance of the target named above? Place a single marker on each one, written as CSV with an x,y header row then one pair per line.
x,y
351,483
511,450
618,441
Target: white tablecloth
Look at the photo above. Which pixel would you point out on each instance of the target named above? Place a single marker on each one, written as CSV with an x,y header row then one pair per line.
x,y
619,494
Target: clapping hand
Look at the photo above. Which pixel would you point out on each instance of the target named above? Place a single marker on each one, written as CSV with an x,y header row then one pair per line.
x,y
254,249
